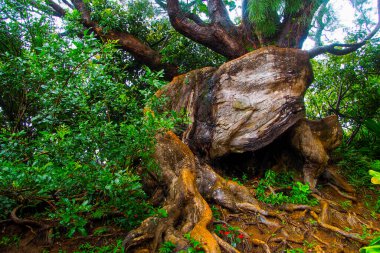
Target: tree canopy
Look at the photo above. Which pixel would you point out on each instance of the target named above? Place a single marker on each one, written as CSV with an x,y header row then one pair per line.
x,y
259,23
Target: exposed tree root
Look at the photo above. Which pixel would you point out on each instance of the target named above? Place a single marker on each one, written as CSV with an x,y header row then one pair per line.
x,y
281,239
352,236
141,234
188,211
229,194
44,231
320,240
332,176
294,207
224,245
261,244
5,221
26,222
331,203
344,195
191,184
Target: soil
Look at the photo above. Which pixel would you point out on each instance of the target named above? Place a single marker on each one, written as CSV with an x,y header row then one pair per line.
x,y
299,229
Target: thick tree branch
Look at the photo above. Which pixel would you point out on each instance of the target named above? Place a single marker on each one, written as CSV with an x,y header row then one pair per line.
x,y
180,21
195,18
295,28
224,40
192,16
142,52
58,10
247,27
218,13
343,49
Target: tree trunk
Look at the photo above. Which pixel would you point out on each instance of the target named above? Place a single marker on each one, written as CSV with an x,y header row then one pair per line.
x,y
249,102
243,106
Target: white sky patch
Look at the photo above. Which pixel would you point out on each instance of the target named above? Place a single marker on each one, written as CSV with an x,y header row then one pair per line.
x,y
344,11
346,15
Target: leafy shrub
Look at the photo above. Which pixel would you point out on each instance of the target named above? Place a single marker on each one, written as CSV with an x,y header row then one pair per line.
x,y
167,247
299,193
84,140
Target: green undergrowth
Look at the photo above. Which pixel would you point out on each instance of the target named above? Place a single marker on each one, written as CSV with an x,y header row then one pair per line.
x,y
194,246
291,191
111,248
85,142
357,165
230,234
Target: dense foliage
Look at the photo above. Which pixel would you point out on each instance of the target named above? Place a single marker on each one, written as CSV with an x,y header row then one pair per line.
x,y
298,193
348,86
74,138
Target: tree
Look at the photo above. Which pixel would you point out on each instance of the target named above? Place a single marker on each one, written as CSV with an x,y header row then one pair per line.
x,y
346,86
187,181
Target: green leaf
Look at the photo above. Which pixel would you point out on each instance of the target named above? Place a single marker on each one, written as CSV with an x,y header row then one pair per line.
x,y
375,176
83,231
373,126
375,241
162,213
370,249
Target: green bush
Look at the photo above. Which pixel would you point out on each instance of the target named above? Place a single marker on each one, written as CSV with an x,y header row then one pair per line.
x,y
84,140
299,193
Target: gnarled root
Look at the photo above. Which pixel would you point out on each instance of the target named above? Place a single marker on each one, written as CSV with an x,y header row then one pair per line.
x,y
323,219
44,230
228,194
26,222
190,185
355,237
225,246
188,212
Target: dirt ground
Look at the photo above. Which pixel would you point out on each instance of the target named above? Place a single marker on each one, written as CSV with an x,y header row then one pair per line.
x,y
336,225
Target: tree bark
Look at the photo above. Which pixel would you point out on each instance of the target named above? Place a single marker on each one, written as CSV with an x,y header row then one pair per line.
x,y
245,104
248,103
221,36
